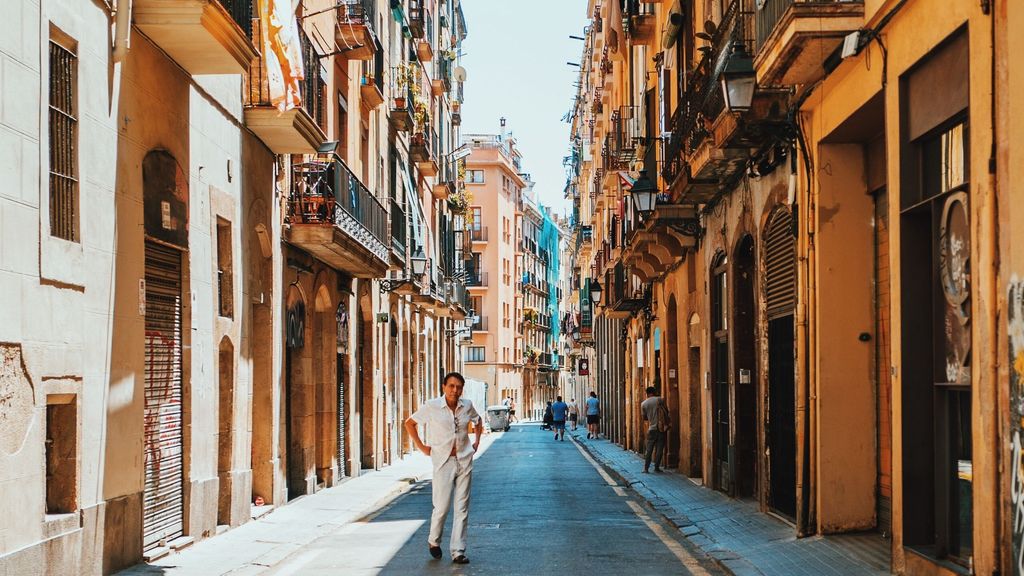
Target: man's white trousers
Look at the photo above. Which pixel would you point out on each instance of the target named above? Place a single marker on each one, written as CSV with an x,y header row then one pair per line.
x,y
452,477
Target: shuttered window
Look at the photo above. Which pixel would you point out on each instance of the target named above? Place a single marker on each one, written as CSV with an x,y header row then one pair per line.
x,y
780,265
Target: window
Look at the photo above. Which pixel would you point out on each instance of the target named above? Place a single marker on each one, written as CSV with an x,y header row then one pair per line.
x,y
63,115
474,176
475,354
477,213
225,271
61,454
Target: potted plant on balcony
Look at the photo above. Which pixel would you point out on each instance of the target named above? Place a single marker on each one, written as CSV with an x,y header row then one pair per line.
x,y
458,203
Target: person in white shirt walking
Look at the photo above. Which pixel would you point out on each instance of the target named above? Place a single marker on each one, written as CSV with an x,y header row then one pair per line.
x,y
593,414
446,420
574,413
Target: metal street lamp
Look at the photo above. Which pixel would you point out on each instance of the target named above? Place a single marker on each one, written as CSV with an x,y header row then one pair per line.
x,y
418,264
595,291
644,194
739,79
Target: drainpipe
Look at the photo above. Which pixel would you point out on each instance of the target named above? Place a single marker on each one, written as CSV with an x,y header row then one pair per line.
x,y
122,29
804,360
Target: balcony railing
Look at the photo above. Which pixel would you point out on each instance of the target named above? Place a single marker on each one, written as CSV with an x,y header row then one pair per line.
x,y
478,234
625,291
402,117
329,194
242,13
702,101
621,142
311,94
481,324
355,33
768,15
399,228
476,279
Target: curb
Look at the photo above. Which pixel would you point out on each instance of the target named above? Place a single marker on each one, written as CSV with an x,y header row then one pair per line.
x,y
724,558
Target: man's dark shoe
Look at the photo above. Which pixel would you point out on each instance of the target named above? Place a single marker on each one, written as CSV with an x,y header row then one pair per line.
x,y
658,470
460,559
646,471
435,551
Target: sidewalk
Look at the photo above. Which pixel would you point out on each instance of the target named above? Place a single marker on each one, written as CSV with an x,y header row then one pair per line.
x,y
735,532
257,546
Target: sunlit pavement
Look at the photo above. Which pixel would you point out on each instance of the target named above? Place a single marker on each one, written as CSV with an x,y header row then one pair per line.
x,y
538,507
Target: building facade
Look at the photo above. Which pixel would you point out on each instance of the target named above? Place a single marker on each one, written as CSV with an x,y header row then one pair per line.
x,y
495,181
782,204
215,261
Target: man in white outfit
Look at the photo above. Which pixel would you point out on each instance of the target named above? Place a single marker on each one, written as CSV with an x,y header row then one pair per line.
x,y
446,420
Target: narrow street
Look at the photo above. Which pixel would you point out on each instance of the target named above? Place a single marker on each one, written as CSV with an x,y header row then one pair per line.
x,y
538,507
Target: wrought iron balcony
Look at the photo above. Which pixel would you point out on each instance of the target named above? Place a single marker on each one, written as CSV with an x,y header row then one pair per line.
x,y
402,117
623,139
626,294
371,86
203,36
478,234
422,151
476,279
795,36
710,145
481,325
295,131
354,32
334,217
446,184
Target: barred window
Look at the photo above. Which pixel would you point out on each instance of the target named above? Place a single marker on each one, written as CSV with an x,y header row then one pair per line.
x,y
63,141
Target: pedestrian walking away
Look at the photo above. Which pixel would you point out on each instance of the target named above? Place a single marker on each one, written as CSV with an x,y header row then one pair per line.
x,y
655,411
446,420
559,410
593,414
511,409
548,417
574,413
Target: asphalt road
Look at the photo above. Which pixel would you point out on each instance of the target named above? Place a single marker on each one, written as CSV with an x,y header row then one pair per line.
x,y
538,507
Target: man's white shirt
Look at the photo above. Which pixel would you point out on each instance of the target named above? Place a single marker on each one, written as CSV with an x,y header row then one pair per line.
x,y
444,428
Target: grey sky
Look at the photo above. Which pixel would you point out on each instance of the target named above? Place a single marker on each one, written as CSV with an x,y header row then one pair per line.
x,y
515,60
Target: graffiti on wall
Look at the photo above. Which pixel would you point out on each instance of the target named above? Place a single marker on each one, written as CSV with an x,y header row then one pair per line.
x,y
1015,334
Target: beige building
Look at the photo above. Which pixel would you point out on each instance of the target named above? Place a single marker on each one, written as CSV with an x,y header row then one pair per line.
x,y
206,294
495,184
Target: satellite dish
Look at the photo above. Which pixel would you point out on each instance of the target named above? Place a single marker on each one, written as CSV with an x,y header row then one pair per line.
x,y
459,74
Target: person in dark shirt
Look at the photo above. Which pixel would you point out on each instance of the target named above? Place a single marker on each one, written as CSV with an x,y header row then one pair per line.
x,y
559,410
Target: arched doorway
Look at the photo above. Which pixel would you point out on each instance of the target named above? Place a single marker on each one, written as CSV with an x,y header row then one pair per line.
x,y
671,380
744,388
226,428
720,374
780,299
295,402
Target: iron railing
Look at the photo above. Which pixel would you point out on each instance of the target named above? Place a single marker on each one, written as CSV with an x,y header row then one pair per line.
x,y
625,291
328,193
311,91
478,234
622,141
241,12
476,278
355,12
702,101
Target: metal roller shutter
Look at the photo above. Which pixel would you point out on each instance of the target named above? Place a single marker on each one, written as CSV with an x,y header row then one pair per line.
x,y
163,502
780,265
